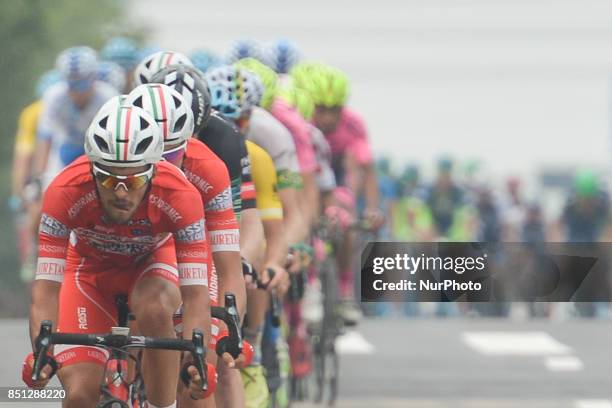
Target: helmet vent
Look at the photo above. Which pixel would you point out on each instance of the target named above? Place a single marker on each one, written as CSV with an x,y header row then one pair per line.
x,y
143,123
180,123
102,145
143,145
103,122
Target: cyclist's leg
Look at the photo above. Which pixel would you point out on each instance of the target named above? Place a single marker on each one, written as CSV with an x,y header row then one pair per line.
x,y
82,309
253,378
154,298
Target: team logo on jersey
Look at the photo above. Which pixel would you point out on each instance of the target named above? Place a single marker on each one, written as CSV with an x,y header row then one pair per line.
x,y
191,233
202,185
222,201
53,227
81,203
166,208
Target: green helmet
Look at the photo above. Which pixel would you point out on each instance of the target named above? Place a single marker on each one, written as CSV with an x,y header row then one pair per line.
x,y
298,98
586,183
266,75
328,86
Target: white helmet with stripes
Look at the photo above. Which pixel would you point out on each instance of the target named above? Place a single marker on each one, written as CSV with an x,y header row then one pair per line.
x,y
122,135
155,63
168,108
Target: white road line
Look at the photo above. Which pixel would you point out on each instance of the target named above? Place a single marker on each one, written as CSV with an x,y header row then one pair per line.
x,y
563,363
353,342
593,403
514,343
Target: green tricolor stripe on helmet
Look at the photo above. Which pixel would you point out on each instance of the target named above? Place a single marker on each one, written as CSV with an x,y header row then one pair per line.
x,y
118,132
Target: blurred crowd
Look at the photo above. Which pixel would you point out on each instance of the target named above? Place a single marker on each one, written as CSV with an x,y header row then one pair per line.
x,y
462,204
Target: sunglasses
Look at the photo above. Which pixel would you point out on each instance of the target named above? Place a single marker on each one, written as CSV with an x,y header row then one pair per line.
x,y
112,182
173,155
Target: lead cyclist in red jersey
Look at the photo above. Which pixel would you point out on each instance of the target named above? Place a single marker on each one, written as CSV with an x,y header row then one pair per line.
x,y
119,221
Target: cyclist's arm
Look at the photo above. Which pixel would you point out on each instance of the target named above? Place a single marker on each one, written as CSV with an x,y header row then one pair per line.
x,y
311,202
296,228
53,236
48,127
193,260
251,235
370,186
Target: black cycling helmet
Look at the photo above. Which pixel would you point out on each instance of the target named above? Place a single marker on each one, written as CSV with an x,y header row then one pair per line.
x,y
190,83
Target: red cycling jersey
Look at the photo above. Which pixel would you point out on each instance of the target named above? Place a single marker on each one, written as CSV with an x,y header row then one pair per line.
x,y
72,214
208,173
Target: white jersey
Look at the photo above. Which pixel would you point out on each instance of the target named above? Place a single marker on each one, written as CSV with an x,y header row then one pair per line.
x,y
62,123
266,131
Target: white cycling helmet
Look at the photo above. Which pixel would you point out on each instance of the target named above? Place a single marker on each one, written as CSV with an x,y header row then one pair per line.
x,y
122,135
168,108
155,63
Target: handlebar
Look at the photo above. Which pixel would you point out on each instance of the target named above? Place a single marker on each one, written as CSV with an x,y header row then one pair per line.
x,y
229,315
119,338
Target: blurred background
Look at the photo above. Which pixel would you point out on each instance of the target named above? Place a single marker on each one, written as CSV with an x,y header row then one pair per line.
x,y
504,103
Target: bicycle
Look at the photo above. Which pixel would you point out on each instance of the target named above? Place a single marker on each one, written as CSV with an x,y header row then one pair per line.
x,y
116,389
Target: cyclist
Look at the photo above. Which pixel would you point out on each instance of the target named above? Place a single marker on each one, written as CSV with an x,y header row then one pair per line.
x,y
68,108
110,225
234,93
123,52
227,146
289,117
25,143
352,159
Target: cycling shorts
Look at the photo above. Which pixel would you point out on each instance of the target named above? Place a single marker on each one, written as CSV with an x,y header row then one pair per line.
x,y
87,297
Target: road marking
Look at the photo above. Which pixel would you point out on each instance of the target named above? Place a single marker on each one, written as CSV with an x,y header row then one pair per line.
x,y
593,403
564,363
514,343
353,342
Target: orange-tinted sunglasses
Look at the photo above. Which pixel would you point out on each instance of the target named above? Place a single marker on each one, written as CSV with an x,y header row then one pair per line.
x,y
112,182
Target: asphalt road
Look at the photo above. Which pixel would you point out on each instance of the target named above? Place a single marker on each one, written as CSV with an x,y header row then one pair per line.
x,y
444,363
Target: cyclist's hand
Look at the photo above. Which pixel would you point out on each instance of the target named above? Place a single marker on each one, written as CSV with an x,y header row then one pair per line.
x,y
374,217
294,263
231,362
27,370
279,283
195,382
250,275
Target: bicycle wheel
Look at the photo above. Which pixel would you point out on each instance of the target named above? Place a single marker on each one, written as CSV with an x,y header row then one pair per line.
x,y
326,361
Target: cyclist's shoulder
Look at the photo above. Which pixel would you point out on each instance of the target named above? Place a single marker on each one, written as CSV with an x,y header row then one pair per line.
x,y
269,132
260,159
222,138
73,176
169,178
351,122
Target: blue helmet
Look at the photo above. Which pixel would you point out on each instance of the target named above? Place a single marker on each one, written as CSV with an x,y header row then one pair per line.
x,y
223,92
112,74
205,59
78,66
281,55
47,80
122,51
243,49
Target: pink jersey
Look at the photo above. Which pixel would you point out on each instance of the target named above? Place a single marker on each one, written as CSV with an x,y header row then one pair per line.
x,y
298,127
350,137
72,216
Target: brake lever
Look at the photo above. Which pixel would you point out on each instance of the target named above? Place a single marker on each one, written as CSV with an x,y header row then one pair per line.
x,y
231,344
42,345
198,353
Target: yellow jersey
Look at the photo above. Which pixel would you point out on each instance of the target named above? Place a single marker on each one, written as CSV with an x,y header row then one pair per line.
x,y
264,178
25,140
